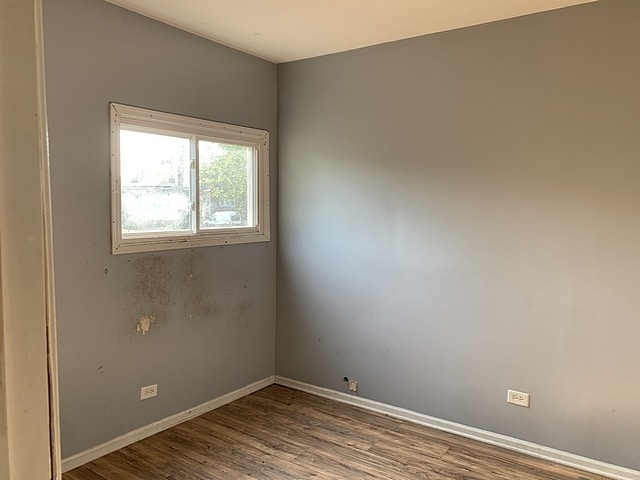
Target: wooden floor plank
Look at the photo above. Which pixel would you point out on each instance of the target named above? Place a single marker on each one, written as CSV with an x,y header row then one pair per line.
x,y
282,434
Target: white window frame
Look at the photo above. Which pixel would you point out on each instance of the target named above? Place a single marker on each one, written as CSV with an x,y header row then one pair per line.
x,y
125,115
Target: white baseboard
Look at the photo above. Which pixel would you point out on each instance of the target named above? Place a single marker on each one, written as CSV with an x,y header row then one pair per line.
x,y
539,451
122,441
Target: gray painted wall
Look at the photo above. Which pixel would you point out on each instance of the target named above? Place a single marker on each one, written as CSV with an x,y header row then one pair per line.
x,y
460,214
215,307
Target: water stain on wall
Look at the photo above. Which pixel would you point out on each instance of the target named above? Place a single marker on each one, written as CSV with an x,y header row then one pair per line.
x,y
153,275
240,315
181,287
150,294
172,286
197,290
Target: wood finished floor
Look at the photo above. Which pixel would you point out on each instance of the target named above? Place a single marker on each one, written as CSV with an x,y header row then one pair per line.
x,y
280,433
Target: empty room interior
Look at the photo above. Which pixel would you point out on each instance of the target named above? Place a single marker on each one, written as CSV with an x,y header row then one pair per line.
x,y
451,216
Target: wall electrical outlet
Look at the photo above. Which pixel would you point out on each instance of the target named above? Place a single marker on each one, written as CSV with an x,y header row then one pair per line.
x,y
518,398
353,385
149,391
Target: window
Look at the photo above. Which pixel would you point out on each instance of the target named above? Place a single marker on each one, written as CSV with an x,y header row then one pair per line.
x,y
179,182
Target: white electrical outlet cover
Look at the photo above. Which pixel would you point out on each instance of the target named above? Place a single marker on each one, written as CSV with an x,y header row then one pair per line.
x,y
149,391
518,398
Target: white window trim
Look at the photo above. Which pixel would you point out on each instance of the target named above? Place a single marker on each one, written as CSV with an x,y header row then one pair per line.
x,y
140,117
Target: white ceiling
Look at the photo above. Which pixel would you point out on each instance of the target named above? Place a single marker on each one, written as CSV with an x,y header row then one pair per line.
x,y
285,30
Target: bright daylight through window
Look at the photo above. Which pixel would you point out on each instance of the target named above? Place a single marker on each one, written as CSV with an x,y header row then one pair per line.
x,y
179,182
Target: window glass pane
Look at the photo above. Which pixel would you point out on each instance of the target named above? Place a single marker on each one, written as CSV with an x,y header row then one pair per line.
x,y
226,171
155,182
180,182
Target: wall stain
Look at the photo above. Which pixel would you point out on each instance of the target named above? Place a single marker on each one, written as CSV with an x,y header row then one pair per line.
x,y
240,311
150,294
145,324
196,290
184,287
153,277
241,319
